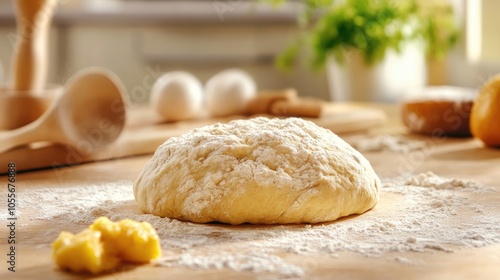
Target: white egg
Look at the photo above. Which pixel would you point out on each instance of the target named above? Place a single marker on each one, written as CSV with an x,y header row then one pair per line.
x,y
177,96
228,92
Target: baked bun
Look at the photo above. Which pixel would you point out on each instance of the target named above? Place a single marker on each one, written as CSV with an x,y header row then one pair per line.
x,y
439,111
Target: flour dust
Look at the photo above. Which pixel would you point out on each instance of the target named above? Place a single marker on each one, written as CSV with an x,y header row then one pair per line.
x,y
427,213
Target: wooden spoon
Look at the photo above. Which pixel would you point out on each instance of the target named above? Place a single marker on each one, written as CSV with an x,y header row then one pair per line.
x,y
89,115
1,73
30,55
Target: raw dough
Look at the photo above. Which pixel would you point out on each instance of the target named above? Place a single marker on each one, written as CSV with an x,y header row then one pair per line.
x,y
261,171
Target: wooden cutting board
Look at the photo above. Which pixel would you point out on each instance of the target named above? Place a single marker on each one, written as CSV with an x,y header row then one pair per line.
x,y
144,132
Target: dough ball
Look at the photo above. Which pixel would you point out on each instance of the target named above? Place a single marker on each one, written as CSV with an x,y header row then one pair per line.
x,y
229,92
177,96
260,171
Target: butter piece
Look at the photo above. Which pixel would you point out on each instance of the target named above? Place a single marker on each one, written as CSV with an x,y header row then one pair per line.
x,y
134,242
83,252
105,244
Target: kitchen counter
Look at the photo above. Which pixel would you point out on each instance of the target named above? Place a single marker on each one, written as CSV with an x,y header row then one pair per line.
x,y
163,12
452,158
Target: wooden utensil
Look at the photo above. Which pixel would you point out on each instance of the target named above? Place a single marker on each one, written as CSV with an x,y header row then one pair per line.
x,y
30,55
1,73
261,104
19,108
284,103
300,107
89,115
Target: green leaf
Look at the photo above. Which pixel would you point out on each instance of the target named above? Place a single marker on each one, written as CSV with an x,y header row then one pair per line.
x,y
372,27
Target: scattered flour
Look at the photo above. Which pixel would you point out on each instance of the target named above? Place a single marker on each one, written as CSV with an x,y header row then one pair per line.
x,y
420,215
431,180
393,143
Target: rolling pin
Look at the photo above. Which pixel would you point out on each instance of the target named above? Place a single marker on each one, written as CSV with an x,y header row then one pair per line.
x,y
262,103
30,54
285,103
301,107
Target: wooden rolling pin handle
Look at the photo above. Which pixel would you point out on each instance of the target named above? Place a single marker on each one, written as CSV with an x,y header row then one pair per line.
x,y
298,108
261,104
30,55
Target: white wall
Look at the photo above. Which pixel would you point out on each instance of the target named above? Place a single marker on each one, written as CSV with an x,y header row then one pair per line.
x,y
464,70
132,52
491,31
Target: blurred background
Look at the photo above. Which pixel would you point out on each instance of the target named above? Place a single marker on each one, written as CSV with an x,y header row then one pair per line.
x,y
139,40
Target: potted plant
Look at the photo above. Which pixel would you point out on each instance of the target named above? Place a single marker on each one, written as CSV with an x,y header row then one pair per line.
x,y
373,49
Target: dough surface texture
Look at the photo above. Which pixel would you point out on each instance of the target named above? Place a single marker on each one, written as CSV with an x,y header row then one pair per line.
x,y
260,171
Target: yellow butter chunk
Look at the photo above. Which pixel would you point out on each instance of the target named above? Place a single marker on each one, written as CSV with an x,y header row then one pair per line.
x,y
83,252
133,241
105,244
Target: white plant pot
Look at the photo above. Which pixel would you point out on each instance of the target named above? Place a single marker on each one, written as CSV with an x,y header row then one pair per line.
x,y
387,81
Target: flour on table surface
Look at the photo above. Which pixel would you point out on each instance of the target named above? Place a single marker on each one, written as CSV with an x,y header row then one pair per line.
x,y
423,217
393,143
432,180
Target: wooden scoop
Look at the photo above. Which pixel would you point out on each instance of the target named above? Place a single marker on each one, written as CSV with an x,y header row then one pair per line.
x,y
89,115
30,54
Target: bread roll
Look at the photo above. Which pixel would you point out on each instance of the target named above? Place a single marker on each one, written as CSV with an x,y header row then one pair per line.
x,y
439,111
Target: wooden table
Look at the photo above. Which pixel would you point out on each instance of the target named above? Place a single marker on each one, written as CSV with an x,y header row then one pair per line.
x,y
464,158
